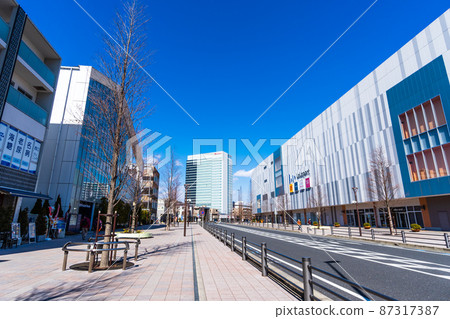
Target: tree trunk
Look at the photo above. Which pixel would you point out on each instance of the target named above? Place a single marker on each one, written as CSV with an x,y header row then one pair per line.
x,y
391,224
133,220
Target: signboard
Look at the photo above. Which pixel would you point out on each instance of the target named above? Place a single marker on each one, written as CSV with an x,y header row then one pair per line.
x,y
307,183
3,130
34,157
27,154
8,149
291,188
73,220
18,150
15,230
31,231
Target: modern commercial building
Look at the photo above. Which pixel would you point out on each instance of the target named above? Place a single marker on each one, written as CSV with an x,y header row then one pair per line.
x,y
28,76
150,191
72,164
403,106
209,179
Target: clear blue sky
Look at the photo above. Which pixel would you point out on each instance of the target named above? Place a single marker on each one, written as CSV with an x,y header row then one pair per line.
x,y
227,61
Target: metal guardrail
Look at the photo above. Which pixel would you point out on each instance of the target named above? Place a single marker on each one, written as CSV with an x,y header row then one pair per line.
x,y
96,248
401,236
289,271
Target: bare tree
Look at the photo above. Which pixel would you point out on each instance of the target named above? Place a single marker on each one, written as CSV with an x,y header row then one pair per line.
x,y
117,103
380,184
283,205
171,182
318,200
137,190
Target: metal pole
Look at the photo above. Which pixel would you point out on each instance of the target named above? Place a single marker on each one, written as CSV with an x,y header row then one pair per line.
x,y
244,248
232,241
373,233
186,187
403,237
307,279
447,243
136,251
263,259
349,232
331,228
357,211
225,238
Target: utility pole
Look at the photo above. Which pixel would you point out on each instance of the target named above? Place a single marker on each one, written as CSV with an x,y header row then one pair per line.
x,y
357,211
186,187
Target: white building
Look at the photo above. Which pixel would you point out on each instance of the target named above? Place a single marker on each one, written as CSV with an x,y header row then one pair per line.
x,y
209,179
70,167
403,107
29,68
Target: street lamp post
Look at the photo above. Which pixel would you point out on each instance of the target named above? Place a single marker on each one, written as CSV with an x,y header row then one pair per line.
x,y
186,187
357,211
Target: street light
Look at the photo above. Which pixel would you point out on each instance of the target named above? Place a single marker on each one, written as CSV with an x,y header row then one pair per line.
x,y
357,211
186,187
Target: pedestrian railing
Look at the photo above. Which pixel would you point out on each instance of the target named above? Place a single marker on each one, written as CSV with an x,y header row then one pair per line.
x,y
400,236
94,248
298,277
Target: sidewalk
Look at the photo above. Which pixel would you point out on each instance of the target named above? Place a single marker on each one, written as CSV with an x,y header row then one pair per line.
x,y
170,267
429,239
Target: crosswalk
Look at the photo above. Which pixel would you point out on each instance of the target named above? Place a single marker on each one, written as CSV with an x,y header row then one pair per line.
x,y
351,249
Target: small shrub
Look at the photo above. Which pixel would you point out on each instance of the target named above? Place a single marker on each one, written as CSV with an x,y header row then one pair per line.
x,y
416,226
366,225
337,224
315,223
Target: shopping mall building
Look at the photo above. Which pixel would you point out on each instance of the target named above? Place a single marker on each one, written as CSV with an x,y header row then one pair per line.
x,y
401,107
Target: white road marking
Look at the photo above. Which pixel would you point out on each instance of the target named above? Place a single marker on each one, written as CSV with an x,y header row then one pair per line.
x,y
380,258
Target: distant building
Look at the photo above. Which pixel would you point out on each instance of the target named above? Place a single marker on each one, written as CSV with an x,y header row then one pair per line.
x,y
29,68
241,211
150,191
210,181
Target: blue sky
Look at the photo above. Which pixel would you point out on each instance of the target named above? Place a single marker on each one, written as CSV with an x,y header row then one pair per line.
x,y
225,62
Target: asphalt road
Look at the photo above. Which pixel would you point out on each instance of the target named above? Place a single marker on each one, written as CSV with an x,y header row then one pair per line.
x,y
401,273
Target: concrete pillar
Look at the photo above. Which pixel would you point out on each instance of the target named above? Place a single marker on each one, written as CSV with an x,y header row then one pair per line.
x,y
17,210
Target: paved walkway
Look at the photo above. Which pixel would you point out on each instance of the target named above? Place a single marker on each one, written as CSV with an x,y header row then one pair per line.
x,y
170,267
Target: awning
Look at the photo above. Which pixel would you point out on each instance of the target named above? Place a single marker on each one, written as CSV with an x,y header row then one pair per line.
x,y
22,193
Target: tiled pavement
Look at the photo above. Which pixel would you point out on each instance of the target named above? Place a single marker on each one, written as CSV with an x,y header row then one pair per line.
x,y
164,271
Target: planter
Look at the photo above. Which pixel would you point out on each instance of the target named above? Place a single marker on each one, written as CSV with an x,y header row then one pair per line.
x,y
415,230
366,227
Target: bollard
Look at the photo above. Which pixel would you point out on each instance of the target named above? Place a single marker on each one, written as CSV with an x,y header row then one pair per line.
x,y
284,226
263,259
349,232
323,232
315,231
403,237
87,253
91,262
372,233
278,225
292,227
232,242
225,238
331,228
307,229
124,265
64,266
307,279
244,248
447,243
136,251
